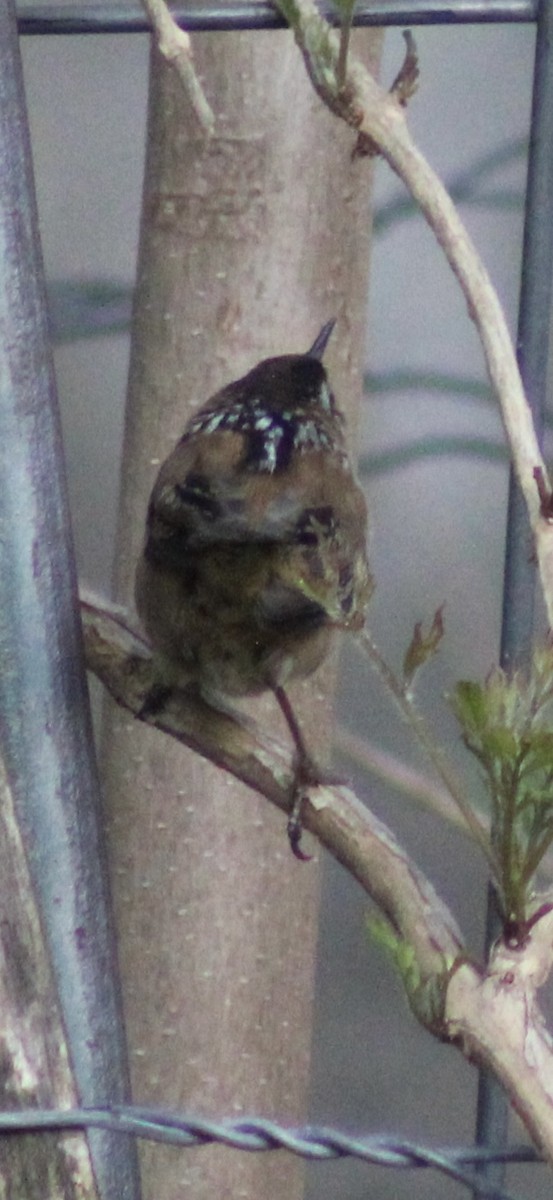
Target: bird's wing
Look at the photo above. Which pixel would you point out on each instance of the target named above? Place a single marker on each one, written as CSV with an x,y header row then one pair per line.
x,y
203,498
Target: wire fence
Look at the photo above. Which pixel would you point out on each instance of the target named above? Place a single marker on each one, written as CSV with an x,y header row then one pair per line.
x,y
313,1142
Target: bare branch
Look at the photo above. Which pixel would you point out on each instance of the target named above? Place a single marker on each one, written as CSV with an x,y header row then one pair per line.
x,y
495,1019
342,824
492,1015
175,46
380,118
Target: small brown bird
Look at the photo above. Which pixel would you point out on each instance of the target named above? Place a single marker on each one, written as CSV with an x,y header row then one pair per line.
x,y
255,551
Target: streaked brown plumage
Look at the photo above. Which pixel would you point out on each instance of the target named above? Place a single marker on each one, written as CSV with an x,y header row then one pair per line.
x,y
255,551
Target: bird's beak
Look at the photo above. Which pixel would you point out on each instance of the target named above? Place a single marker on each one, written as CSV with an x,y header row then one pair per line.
x,y
321,341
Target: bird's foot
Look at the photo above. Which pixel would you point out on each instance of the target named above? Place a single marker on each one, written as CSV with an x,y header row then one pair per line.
x,y
308,774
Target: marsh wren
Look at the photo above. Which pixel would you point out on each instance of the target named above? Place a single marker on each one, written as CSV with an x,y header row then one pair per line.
x,y
255,550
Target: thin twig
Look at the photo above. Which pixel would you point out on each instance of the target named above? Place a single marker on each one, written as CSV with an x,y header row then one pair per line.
x,y
175,46
348,8
433,751
404,778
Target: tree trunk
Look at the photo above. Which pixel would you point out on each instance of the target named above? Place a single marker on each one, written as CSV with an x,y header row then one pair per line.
x,y
36,1069
250,242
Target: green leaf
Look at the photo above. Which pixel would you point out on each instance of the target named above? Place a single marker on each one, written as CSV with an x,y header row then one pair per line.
x,y
399,950
507,723
426,996
538,752
500,744
470,706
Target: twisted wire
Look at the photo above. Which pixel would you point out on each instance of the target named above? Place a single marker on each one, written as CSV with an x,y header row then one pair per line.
x,y
257,1134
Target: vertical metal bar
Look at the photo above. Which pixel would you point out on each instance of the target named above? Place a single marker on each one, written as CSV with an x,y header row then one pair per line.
x,y
44,717
532,340
520,572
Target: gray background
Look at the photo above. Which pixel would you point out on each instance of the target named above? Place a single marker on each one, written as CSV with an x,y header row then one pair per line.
x,y
437,525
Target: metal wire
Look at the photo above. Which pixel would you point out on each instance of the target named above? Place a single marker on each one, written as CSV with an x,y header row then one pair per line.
x,y
261,14
315,1142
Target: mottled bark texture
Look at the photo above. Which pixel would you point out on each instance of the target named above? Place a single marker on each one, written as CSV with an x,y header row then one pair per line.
x,y
34,1057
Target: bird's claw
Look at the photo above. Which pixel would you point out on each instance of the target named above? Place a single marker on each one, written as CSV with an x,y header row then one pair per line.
x,y
308,775
294,829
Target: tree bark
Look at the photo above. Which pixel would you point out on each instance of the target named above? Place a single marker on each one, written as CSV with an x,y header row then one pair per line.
x,y
250,242
35,1057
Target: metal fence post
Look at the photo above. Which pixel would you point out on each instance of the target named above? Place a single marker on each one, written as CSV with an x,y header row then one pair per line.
x,y
519,585
44,716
